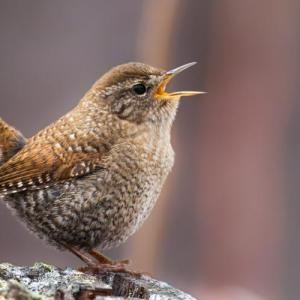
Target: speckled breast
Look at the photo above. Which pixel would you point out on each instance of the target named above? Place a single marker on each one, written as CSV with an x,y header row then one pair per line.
x,y
104,208
136,186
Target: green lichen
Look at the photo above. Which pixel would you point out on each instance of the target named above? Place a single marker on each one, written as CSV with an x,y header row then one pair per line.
x,y
45,282
12,290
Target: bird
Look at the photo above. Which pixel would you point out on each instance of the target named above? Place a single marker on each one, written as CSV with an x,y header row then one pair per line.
x,y
89,180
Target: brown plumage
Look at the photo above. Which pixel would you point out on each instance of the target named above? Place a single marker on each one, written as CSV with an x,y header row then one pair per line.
x,y
91,178
11,141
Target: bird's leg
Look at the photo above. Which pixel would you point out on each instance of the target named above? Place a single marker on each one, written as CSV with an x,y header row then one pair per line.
x,y
102,263
102,259
107,265
82,255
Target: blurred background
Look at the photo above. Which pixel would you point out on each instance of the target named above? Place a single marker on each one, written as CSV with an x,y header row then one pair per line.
x,y
226,224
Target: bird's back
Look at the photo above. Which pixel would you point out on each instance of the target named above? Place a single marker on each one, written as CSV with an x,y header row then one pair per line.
x,y
63,150
11,141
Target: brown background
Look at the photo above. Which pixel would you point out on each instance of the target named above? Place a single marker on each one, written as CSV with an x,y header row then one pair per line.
x,y
227,221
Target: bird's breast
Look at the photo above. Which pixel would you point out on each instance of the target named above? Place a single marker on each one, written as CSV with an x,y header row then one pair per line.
x,y
135,176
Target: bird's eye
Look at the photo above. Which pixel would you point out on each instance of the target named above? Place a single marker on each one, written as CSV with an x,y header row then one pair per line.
x,y
139,89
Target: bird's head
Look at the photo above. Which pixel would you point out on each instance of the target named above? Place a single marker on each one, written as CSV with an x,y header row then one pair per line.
x,y
137,92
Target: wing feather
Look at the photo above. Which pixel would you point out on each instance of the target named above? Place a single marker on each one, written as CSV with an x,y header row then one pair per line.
x,y
42,163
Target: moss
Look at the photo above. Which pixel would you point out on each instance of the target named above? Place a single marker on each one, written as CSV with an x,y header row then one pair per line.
x,y
12,290
44,282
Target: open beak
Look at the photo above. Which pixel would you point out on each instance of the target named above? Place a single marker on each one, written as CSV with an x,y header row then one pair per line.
x,y
161,90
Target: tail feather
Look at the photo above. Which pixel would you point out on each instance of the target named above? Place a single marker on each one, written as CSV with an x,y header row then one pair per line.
x,y
11,141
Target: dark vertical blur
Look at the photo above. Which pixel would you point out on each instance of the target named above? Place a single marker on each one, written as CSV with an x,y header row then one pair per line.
x,y
226,225
252,83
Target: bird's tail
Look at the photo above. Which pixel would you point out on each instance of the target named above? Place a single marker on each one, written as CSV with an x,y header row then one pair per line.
x,y
11,141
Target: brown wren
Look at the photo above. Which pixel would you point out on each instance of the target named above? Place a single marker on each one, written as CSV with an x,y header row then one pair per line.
x,y
91,178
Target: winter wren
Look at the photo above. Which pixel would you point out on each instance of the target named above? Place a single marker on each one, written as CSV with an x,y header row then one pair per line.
x,y
91,178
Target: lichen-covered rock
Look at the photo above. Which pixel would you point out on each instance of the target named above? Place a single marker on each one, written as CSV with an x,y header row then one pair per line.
x,y
41,282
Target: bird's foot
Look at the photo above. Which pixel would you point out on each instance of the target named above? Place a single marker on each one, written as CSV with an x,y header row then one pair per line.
x,y
117,267
123,262
100,264
104,260
103,268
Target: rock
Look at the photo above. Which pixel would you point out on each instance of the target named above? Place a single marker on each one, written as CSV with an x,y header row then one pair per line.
x,y
42,281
